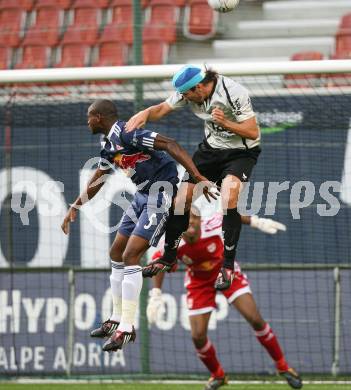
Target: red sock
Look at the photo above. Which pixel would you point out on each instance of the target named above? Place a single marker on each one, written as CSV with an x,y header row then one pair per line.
x,y
207,354
269,340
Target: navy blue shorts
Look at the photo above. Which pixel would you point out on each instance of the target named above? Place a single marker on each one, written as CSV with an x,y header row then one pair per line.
x,y
148,213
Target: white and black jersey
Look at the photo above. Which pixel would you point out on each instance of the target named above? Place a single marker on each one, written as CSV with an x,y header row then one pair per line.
x,y
235,102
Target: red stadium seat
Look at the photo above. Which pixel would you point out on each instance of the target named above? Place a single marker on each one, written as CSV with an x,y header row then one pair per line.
x,y
12,22
343,41
200,20
163,15
5,57
122,11
180,3
123,33
47,27
346,55
34,57
112,54
155,52
307,56
304,80
74,55
345,22
91,3
117,3
61,4
121,26
155,48
343,36
24,5
85,25
163,11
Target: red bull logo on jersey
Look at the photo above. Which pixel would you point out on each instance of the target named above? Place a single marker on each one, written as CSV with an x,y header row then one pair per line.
x,y
129,161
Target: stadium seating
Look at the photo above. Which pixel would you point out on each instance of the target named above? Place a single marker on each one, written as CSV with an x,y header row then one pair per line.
x,y
122,11
12,22
74,55
34,56
112,49
304,80
155,48
47,27
343,42
117,32
163,15
112,54
91,3
180,3
343,36
121,24
345,22
58,4
5,57
200,20
24,5
86,22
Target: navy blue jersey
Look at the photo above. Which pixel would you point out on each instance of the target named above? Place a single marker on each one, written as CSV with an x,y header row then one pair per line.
x,y
134,153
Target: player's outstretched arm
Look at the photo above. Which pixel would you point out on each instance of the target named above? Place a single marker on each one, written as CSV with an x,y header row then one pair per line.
x,y
93,187
152,113
265,225
180,155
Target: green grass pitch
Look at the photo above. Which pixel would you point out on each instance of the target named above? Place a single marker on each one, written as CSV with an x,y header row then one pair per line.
x,y
160,386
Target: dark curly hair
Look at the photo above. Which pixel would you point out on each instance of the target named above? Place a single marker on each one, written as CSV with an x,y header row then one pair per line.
x,y
211,75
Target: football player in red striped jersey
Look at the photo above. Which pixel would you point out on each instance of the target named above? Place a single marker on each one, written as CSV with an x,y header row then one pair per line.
x,y
201,250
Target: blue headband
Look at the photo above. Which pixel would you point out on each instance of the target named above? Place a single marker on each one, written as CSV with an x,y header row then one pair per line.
x,y
187,78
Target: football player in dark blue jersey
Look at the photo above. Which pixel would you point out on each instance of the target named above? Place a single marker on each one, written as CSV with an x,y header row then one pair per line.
x,y
142,155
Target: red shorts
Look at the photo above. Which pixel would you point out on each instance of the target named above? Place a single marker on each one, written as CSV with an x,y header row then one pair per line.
x,y
201,294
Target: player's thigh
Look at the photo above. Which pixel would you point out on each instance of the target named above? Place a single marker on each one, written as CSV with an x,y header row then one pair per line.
x,y
152,221
230,189
134,250
247,307
130,216
118,246
199,325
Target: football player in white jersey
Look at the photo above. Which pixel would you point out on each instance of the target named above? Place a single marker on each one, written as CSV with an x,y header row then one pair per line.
x,y
201,250
227,154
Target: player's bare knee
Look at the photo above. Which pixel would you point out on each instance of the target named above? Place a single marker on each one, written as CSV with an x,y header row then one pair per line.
x,y
115,254
131,257
257,322
199,342
199,338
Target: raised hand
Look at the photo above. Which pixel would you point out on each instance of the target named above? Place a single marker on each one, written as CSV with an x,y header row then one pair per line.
x,y
70,217
208,188
136,121
155,306
267,225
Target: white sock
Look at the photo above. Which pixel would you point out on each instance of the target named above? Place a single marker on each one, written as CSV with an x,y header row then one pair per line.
x,y
116,278
131,287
